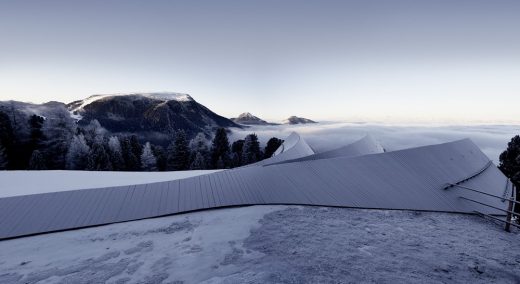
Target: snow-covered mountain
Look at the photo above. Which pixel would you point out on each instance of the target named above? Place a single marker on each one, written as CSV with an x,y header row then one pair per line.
x,y
148,114
247,118
77,107
298,120
151,116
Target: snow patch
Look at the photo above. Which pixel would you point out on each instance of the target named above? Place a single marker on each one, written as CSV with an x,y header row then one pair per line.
x,y
190,248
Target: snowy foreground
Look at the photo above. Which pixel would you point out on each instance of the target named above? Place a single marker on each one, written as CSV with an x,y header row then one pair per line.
x,y
272,244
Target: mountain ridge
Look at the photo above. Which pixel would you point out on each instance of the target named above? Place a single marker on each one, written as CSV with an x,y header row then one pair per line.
x,y
149,114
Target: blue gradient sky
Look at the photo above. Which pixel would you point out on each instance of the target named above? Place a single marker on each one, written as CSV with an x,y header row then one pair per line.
x,y
437,60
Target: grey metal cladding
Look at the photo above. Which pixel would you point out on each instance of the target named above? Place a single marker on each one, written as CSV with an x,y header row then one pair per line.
x,y
412,179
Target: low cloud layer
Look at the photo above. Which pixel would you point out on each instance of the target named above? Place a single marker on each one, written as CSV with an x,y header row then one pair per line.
x,y
492,139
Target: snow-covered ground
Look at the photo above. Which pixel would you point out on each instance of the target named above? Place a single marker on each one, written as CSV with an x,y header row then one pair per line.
x,y
272,244
13,183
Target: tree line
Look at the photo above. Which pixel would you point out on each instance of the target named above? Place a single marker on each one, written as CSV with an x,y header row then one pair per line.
x,y
59,143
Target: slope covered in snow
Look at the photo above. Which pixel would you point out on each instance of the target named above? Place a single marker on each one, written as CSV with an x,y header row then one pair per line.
x,y
78,106
153,117
272,244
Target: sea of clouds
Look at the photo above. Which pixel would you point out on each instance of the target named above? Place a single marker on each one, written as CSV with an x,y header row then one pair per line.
x,y
492,139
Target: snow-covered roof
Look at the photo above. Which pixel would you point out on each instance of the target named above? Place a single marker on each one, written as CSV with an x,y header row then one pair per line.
x,y
411,179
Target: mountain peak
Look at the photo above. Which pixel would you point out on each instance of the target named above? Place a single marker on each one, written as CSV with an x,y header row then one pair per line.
x,y
298,120
247,115
249,119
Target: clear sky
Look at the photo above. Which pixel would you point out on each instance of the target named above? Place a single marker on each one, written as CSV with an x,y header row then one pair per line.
x,y
407,60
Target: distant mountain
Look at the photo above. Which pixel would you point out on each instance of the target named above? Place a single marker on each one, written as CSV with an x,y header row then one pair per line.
x,y
247,118
298,120
19,112
152,115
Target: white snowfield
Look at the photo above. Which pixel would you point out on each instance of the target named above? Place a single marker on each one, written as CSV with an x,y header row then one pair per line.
x,y
413,179
272,244
15,183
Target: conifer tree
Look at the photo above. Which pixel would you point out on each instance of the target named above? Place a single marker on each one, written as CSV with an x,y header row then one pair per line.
x,y
199,162
135,146
58,132
199,145
179,153
78,153
272,145
160,156
6,137
3,158
220,150
251,151
99,160
37,161
132,162
510,165
116,154
510,160
36,133
236,153
94,132
148,160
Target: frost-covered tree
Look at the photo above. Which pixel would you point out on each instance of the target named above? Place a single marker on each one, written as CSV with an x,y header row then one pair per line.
x,y
148,160
78,153
199,145
116,154
113,144
99,160
272,145
220,152
94,132
37,161
179,153
199,162
251,151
